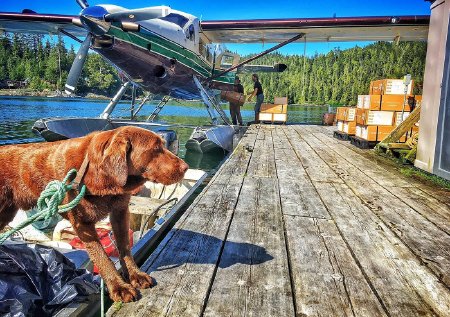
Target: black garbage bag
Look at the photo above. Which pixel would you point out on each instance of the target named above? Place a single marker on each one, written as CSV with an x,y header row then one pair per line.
x,y
37,280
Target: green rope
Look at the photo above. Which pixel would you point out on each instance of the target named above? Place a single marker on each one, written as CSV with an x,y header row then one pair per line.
x,y
48,204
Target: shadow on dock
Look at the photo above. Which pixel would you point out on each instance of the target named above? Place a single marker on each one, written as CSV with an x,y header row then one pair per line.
x,y
233,252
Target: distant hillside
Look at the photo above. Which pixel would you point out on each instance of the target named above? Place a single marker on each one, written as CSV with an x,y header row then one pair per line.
x,y
334,78
340,76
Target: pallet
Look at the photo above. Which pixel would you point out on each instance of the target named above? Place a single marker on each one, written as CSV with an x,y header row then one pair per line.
x,y
362,143
341,135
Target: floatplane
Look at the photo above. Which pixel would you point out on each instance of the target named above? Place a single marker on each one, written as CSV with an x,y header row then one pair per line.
x,y
172,54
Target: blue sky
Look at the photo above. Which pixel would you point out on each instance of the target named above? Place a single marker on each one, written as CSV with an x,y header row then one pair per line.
x,y
242,9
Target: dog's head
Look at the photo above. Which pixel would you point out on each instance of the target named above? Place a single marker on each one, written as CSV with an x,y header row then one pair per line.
x,y
128,156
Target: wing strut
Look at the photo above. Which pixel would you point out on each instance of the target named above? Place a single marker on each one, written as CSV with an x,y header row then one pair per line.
x,y
295,38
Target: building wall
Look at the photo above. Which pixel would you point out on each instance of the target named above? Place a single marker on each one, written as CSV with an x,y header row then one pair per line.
x,y
432,88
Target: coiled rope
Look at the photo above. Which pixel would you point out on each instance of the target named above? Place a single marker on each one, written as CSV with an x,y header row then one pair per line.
x,y
49,203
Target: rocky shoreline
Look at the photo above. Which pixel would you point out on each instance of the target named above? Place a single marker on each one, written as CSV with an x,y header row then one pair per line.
x,y
44,93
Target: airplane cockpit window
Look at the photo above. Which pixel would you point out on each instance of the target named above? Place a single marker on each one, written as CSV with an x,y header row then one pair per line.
x,y
175,18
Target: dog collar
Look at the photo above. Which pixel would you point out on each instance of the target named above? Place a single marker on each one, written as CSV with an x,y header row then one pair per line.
x,y
78,181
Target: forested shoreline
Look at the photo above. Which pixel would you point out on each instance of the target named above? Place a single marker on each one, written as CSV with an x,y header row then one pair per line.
x,y
337,77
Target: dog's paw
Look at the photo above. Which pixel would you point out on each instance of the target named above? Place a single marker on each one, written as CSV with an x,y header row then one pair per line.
x,y
123,293
141,280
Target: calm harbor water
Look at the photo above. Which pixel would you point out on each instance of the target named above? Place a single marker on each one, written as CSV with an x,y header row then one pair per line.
x,y
17,115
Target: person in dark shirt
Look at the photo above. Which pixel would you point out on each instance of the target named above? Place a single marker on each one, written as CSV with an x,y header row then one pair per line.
x,y
235,109
258,92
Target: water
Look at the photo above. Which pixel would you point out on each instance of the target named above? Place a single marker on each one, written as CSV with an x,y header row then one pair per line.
x,y
17,115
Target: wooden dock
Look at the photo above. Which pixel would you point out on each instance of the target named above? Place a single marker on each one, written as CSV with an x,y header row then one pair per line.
x,y
297,223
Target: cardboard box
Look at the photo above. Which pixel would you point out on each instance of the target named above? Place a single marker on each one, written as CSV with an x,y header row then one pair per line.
x,y
396,87
377,133
372,102
376,87
280,117
360,103
362,116
349,127
358,130
340,125
273,108
263,116
395,102
398,117
340,113
280,101
384,118
350,114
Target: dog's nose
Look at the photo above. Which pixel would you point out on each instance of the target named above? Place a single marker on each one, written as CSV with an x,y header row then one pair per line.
x,y
184,167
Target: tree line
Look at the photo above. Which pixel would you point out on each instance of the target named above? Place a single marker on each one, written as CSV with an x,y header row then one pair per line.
x,y
337,77
45,64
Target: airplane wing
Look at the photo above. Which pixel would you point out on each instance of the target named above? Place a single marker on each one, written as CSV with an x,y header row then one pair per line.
x,y
39,23
403,28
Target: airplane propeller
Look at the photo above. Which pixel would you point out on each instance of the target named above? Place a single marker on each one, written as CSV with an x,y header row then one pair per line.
x,y
77,66
83,4
97,22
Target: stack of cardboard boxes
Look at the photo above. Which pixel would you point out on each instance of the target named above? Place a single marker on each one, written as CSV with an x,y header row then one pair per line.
x,y
378,113
276,112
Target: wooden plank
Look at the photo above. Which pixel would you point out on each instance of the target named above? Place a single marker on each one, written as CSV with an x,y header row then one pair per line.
x,y
404,286
262,163
391,168
427,240
315,167
184,263
429,207
375,171
299,198
253,277
403,127
398,146
327,280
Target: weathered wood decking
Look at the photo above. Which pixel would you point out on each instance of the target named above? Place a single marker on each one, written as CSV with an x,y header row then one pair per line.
x,y
304,225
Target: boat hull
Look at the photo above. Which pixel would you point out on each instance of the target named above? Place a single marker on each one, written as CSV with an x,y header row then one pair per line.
x,y
55,129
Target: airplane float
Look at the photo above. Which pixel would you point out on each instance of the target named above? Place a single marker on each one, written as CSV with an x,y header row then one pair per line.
x,y
173,54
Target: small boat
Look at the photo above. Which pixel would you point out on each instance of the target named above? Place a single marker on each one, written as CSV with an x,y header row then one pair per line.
x,y
152,210
213,138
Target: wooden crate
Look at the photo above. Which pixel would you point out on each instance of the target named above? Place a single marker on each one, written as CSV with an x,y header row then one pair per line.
x,y
340,125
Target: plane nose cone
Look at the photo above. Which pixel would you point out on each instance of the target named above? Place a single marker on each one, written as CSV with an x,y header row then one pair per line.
x,y
93,20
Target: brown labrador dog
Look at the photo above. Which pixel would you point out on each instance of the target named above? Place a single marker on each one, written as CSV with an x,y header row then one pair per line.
x,y
120,162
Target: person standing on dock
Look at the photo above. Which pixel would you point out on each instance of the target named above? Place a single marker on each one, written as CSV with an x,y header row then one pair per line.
x,y
258,92
235,108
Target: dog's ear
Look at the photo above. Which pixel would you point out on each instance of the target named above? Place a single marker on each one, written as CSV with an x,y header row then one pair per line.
x,y
108,160
114,163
